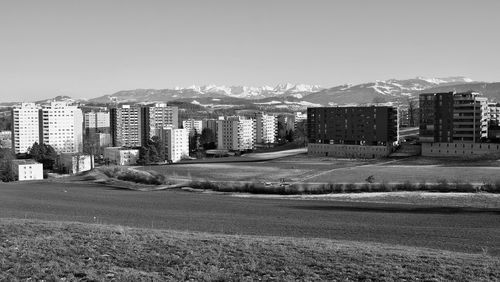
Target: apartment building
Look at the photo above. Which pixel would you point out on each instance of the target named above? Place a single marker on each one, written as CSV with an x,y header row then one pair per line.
x,y
121,156
27,170
494,121
455,124
266,128
358,132
126,123
236,134
25,127
453,117
97,120
61,126
192,125
158,115
175,141
298,118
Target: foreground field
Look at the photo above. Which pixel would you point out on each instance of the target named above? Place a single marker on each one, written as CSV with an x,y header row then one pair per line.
x,y
34,250
435,226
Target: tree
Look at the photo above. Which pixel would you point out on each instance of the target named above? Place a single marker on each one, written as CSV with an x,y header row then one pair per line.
x,y
43,153
194,141
207,139
412,109
144,156
152,152
6,157
301,132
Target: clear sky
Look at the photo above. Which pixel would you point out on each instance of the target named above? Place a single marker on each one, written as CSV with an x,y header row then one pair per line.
x,y
91,48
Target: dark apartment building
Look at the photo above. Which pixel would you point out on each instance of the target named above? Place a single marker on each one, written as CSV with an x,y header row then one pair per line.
x,y
453,117
369,126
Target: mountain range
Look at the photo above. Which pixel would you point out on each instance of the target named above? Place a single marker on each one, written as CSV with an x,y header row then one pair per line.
x,y
299,96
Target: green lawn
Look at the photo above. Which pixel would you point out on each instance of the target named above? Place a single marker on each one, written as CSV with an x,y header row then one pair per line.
x,y
34,250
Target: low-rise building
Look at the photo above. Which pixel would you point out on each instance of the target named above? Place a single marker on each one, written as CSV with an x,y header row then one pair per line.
x,y
27,170
121,156
74,162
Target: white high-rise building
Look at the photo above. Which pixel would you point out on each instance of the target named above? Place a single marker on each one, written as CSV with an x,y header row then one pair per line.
x,y
25,127
176,142
193,125
236,133
266,128
62,127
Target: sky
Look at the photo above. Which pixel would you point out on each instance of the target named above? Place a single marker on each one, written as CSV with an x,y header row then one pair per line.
x,y
91,48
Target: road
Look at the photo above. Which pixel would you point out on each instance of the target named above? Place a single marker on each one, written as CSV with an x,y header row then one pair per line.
x,y
465,230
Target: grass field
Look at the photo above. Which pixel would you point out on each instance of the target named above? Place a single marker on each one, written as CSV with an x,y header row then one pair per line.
x,y
35,250
328,170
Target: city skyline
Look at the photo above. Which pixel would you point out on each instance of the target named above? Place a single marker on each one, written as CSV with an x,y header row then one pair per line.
x,y
92,48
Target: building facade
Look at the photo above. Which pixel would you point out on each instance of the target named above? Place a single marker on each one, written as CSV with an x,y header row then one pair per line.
x,y
266,128
453,117
126,126
236,134
74,163
176,143
121,156
192,125
157,116
25,127
27,170
357,132
61,126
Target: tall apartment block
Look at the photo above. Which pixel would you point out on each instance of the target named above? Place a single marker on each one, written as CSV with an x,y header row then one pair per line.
x,y
61,126
132,126
97,121
126,126
236,133
266,127
453,117
175,141
192,125
456,124
25,127
158,115
365,132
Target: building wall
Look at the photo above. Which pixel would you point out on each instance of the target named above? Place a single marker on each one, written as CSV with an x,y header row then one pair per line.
x,y
191,125
73,163
266,128
121,156
236,133
126,126
61,127
6,139
212,125
353,125
176,142
348,151
27,171
160,116
459,149
25,127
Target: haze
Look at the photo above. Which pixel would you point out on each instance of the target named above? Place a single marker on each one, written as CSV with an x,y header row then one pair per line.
x,y
86,49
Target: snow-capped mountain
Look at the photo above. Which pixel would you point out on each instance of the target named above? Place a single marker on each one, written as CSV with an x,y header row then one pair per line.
x,y
383,90
245,92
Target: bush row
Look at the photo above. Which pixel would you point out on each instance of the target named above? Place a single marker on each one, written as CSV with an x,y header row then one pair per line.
x,y
294,189
137,176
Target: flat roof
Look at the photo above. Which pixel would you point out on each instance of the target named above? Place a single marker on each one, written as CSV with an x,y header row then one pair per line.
x,y
25,162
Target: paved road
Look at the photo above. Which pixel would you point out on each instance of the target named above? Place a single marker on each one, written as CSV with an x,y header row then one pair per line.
x,y
467,230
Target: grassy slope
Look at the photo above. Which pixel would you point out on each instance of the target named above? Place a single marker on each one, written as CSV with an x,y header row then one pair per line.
x,y
51,250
